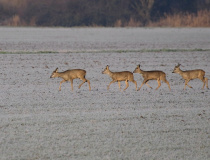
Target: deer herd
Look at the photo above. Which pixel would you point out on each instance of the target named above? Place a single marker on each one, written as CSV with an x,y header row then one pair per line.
x,y
126,76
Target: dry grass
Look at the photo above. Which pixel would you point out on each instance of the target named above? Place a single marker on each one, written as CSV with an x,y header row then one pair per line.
x,y
130,23
201,19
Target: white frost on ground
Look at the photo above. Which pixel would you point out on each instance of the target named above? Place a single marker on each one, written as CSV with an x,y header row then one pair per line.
x,y
85,39
39,122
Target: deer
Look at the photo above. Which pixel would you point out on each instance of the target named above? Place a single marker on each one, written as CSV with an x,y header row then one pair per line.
x,y
120,76
152,75
190,75
70,75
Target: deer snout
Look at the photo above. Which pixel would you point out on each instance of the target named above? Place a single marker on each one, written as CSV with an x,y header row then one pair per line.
x,y
52,75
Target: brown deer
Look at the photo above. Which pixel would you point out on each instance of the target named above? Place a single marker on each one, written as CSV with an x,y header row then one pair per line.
x,y
120,76
69,75
190,75
152,75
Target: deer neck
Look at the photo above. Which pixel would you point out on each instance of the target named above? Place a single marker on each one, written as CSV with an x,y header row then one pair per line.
x,y
59,74
180,72
110,73
141,71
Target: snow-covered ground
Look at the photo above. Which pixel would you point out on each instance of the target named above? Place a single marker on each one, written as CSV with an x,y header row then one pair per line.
x,y
40,122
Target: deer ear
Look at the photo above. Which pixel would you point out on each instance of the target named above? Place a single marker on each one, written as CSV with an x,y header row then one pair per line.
x,y
56,70
178,65
138,66
107,66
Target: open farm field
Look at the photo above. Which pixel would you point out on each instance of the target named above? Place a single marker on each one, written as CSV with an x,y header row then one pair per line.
x,y
37,121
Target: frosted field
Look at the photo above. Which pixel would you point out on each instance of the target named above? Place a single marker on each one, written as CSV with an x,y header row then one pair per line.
x,y
39,122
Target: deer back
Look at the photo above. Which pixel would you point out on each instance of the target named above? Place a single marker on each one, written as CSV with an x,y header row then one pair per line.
x,y
189,74
122,76
69,74
74,73
192,74
119,76
150,74
153,74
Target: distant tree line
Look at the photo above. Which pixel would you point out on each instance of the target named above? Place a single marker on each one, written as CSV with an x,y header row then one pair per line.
x,y
106,13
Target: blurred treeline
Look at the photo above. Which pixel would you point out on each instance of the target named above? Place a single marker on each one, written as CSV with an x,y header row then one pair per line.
x,y
108,13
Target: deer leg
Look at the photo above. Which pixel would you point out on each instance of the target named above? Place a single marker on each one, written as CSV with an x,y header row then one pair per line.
x,y
186,84
159,84
60,84
189,85
148,84
206,79
203,80
110,84
135,83
119,85
89,85
84,80
127,84
167,84
142,84
71,80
